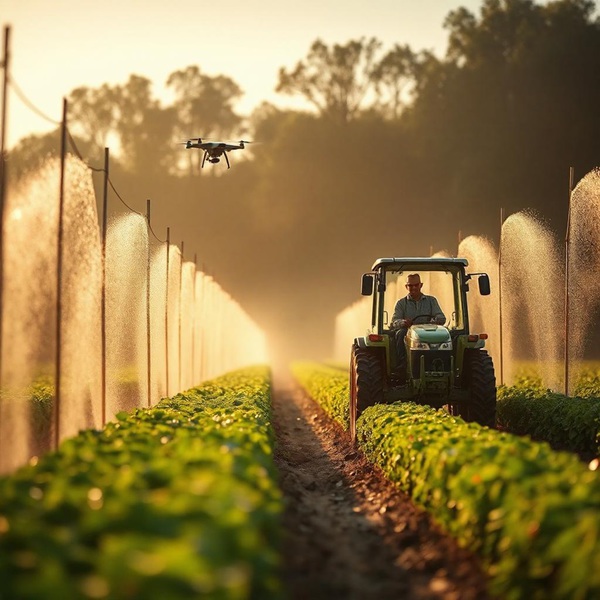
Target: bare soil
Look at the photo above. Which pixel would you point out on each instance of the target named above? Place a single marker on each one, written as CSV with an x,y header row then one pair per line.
x,y
350,533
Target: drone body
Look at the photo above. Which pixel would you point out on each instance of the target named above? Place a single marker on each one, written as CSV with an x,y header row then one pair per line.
x,y
214,150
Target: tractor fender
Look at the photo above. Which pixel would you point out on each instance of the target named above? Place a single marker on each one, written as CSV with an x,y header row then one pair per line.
x,y
380,347
462,345
365,342
360,342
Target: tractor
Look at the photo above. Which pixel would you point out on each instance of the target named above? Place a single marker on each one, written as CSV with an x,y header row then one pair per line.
x,y
443,366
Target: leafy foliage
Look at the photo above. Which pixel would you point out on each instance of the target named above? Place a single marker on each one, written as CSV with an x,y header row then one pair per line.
x,y
176,501
529,511
327,385
566,423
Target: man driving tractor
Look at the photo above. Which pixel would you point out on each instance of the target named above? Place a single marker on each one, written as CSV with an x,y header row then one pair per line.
x,y
413,309
416,304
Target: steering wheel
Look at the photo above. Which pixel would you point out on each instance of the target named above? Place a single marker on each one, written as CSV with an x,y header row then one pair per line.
x,y
428,317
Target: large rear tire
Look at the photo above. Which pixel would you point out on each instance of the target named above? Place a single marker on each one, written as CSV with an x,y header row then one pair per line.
x,y
366,383
481,380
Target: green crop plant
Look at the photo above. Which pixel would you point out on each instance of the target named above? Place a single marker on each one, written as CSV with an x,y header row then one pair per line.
x,y
565,422
531,513
175,501
587,380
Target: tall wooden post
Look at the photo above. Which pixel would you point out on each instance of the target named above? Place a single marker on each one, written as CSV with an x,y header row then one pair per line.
x,y
167,314
500,300
103,302
193,352
567,299
5,65
148,330
59,269
180,313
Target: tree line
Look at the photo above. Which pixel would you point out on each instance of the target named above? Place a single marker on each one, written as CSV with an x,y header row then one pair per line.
x,y
401,151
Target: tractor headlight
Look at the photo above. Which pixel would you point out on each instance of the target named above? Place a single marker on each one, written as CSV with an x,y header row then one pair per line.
x,y
419,346
416,345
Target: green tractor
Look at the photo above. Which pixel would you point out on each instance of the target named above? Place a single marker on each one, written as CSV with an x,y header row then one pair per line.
x,y
442,365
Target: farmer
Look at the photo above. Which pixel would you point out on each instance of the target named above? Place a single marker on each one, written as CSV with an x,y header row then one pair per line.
x,y
413,309
416,304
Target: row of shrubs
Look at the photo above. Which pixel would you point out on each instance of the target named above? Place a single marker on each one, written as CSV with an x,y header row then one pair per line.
x,y
570,423
531,513
565,422
176,501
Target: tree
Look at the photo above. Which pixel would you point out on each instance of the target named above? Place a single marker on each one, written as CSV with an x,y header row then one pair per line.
x,y
145,129
142,129
334,80
93,114
204,105
511,106
394,78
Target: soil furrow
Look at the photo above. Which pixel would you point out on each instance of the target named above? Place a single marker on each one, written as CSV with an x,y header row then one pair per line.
x,y
349,532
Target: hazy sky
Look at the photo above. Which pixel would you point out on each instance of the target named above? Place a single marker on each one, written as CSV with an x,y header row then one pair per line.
x,y
58,45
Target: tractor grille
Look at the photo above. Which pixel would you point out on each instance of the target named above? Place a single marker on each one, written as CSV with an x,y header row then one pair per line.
x,y
435,360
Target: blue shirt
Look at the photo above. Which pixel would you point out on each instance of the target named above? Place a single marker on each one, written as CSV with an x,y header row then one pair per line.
x,y
407,308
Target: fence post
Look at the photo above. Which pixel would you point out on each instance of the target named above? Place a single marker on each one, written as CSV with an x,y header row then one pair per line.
x,y
59,266
567,298
5,66
167,314
500,299
148,331
180,312
193,352
103,302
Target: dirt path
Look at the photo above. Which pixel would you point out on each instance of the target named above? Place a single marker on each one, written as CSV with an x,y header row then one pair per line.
x,y
351,534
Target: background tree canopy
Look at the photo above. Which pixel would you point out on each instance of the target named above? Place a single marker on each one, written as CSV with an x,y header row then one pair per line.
x,y
402,152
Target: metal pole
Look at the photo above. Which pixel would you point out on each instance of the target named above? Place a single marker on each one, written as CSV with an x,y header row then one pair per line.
x,y
194,381
148,334
103,304
167,315
500,299
180,312
567,298
5,65
59,268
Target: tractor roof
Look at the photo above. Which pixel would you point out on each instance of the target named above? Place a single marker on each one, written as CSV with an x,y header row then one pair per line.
x,y
419,263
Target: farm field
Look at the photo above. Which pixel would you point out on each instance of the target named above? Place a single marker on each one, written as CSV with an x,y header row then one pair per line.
x,y
349,532
299,512
530,513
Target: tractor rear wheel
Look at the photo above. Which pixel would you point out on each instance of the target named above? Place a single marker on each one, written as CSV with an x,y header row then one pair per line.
x,y
481,381
366,383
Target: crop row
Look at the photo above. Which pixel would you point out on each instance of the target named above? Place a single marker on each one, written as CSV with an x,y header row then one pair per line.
x,y
175,501
527,408
566,423
531,513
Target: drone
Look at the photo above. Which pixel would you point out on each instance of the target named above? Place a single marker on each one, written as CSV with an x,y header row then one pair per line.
x,y
214,150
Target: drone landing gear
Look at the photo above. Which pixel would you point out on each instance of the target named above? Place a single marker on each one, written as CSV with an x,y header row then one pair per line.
x,y
227,160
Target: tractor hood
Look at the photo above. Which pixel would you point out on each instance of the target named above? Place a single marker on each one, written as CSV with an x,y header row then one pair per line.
x,y
428,334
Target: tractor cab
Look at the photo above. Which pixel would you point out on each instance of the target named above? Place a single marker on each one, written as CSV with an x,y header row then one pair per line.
x,y
430,362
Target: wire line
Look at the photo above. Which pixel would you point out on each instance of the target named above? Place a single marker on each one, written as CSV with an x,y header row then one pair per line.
x,y
21,95
19,92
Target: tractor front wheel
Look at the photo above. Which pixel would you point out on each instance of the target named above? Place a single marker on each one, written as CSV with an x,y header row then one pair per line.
x,y
366,383
481,381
